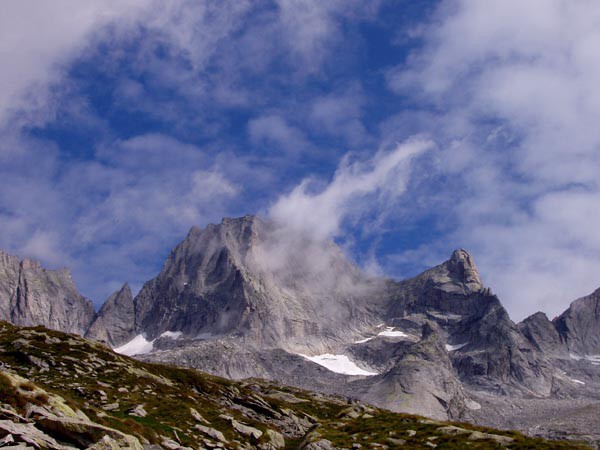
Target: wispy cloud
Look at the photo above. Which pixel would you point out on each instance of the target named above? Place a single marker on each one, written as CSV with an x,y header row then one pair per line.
x,y
357,188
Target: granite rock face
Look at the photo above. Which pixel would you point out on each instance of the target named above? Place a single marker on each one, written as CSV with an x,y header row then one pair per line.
x,y
421,380
245,278
486,348
543,334
32,295
114,323
579,325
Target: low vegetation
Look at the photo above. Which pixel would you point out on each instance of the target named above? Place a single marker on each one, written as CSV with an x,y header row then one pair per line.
x,y
79,380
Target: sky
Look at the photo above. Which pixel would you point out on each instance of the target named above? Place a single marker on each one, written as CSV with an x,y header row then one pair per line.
x,y
401,129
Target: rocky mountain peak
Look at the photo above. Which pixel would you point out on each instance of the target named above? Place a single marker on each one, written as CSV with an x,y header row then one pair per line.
x,y
542,333
32,295
461,268
579,325
243,273
113,324
31,264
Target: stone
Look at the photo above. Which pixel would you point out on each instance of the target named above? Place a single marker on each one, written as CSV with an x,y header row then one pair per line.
x,y
197,416
502,440
246,430
321,444
28,434
452,430
276,439
211,432
138,411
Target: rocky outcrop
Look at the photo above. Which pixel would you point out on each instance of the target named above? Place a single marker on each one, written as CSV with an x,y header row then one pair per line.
x,y
485,346
542,333
579,325
32,295
114,323
421,380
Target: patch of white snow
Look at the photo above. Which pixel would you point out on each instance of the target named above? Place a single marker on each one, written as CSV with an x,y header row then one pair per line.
x,y
451,348
137,346
338,364
172,334
390,332
594,359
577,381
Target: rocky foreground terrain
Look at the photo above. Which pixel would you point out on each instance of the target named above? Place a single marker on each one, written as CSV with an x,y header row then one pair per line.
x,y
60,391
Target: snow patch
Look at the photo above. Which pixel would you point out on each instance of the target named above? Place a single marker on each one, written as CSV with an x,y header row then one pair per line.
x,y
388,332
172,334
338,364
137,346
577,381
451,348
594,359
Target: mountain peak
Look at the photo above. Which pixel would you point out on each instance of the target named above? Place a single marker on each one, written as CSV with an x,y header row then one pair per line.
x,y
461,268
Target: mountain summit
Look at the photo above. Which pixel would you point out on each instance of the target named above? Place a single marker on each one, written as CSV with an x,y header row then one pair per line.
x,y
249,278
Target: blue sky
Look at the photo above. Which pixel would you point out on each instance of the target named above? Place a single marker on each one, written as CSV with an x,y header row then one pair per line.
x,y
401,129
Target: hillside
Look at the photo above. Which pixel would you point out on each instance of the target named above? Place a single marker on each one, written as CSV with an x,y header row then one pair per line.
x,y
61,391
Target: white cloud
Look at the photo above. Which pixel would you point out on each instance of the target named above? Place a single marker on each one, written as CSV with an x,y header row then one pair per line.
x,y
38,38
340,114
356,188
273,130
516,84
312,27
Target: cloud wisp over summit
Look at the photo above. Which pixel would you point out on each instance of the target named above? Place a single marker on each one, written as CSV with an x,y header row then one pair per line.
x,y
125,127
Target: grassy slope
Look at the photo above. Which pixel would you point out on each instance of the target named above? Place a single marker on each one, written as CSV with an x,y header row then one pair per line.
x,y
90,376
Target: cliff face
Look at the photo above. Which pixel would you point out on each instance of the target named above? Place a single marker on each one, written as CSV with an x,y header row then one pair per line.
x,y
579,325
32,295
114,323
243,277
